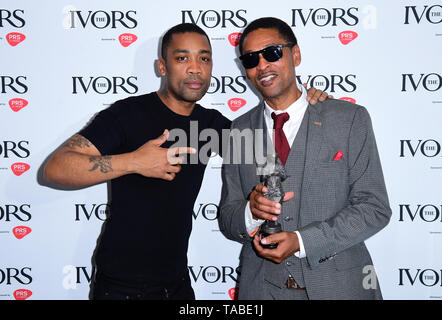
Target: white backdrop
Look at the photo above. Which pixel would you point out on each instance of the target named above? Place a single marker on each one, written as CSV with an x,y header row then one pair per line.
x,y
63,61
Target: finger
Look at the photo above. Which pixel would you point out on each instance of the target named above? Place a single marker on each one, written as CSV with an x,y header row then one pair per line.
x,y
323,96
175,160
260,188
161,139
169,176
263,215
310,94
288,195
173,169
257,243
173,152
182,150
261,251
266,204
266,209
274,238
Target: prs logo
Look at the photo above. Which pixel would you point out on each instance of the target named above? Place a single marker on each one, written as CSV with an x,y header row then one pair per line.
x,y
347,36
21,231
236,103
22,294
234,38
14,38
126,39
17,104
19,168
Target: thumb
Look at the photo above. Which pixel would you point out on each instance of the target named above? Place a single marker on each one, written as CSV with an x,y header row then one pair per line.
x,y
273,238
288,195
161,139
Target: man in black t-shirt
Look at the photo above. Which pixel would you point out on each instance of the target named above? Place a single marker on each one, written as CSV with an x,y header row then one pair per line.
x,y
142,253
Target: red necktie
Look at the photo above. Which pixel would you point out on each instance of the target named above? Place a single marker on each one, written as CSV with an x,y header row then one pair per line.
x,y
281,144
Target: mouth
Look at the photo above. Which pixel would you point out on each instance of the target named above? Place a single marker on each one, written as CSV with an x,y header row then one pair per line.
x,y
267,79
193,84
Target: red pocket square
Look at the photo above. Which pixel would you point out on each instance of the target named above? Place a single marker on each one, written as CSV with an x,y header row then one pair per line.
x,y
338,155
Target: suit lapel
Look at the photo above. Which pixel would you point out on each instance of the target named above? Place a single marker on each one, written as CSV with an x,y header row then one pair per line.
x,y
315,137
260,140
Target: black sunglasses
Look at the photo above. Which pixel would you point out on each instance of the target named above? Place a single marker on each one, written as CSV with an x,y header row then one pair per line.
x,y
271,54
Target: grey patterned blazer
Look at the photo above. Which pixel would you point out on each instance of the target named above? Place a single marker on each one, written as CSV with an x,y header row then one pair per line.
x,y
338,204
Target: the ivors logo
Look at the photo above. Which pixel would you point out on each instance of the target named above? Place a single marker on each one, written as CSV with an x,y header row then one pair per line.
x,y
225,84
420,212
430,82
215,18
101,19
322,17
213,274
74,276
97,211
208,211
427,13
104,85
330,83
13,212
12,18
9,276
427,148
14,149
13,84
423,277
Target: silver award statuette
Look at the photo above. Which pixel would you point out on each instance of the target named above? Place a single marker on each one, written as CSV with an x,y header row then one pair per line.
x,y
272,178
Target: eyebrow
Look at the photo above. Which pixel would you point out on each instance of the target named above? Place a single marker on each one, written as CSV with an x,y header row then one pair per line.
x,y
202,51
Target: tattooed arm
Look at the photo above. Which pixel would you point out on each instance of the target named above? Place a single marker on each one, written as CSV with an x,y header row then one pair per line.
x,y
78,163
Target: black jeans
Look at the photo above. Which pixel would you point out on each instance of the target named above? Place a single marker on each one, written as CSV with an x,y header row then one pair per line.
x,y
105,288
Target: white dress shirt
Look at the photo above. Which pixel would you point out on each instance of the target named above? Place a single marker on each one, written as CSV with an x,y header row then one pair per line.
x,y
296,112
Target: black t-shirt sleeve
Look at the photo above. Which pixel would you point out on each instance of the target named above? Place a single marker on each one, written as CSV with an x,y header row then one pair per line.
x,y
220,124
105,131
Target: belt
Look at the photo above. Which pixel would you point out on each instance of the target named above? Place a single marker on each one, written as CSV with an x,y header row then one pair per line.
x,y
290,283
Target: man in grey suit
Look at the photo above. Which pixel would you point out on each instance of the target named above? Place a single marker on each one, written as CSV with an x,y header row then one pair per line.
x,y
336,195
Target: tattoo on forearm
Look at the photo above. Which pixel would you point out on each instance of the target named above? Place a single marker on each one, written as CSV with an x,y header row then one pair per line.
x,y
78,141
104,163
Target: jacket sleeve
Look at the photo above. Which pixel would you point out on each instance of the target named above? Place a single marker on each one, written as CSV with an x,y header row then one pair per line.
x,y
368,209
233,200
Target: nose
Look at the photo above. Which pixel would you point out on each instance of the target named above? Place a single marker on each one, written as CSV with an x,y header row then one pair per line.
x,y
194,67
262,63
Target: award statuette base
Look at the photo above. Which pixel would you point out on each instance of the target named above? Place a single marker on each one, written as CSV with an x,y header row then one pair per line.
x,y
268,228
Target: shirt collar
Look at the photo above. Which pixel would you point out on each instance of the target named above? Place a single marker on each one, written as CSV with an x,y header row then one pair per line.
x,y
295,108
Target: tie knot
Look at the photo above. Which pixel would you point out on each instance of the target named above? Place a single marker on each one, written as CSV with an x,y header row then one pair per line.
x,y
279,119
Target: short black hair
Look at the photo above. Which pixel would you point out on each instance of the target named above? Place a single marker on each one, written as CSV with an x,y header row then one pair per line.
x,y
269,23
180,28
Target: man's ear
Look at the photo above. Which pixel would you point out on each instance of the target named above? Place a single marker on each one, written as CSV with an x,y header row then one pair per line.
x,y
162,69
296,54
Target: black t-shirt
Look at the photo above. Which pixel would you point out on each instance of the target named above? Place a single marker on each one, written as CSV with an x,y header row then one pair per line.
x,y
145,237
